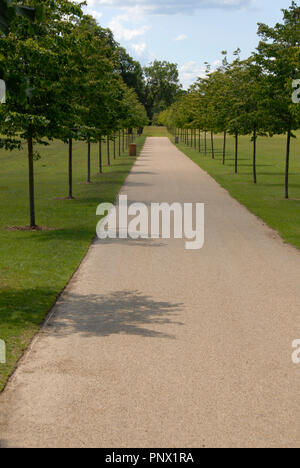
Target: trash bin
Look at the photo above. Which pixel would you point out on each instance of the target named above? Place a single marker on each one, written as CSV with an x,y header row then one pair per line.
x,y
132,150
176,140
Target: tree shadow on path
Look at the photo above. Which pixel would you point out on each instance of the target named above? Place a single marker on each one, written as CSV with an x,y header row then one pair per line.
x,y
121,312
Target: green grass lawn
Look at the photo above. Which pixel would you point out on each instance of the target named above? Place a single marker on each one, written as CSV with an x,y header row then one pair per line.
x,y
265,200
36,266
156,132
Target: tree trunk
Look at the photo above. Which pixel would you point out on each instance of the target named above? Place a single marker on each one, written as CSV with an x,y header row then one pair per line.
x,y
287,166
205,142
31,183
89,163
123,135
71,169
100,156
236,152
224,147
108,151
114,146
254,155
119,143
199,146
212,145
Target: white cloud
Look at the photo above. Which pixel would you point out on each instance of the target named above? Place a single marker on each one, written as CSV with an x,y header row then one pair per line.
x,y
181,37
171,6
126,33
139,49
190,71
96,14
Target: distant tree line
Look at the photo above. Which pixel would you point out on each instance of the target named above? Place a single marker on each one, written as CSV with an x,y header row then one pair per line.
x,y
246,97
66,78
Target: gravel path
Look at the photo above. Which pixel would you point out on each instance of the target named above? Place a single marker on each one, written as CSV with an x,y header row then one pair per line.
x,y
152,345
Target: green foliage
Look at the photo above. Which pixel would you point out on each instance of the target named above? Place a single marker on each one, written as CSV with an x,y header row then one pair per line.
x,y
162,86
265,199
249,97
8,12
278,55
66,78
131,72
35,266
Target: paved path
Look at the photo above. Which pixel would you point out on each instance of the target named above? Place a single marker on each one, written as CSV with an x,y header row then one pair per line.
x,y
156,346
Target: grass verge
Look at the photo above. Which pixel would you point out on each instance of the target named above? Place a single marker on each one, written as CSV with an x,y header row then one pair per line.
x,y
266,199
156,132
36,266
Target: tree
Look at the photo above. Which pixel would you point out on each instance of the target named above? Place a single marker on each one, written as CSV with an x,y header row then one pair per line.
x,y
249,97
99,85
162,86
278,54
245,88
8,12
31,65
133,114
131,72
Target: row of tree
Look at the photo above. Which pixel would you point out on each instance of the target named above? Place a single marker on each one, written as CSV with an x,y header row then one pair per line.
x,y
66,78
247,97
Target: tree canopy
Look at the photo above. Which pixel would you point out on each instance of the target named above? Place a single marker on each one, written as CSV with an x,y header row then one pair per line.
x,y
248,97
66,78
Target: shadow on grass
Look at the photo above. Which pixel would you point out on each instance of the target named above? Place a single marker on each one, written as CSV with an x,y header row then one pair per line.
x,y
70,234
149,243
274,174
281,184
119,313
231,163
87,235
22,307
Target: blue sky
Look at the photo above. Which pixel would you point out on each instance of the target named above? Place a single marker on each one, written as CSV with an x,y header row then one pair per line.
x,y
188,32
